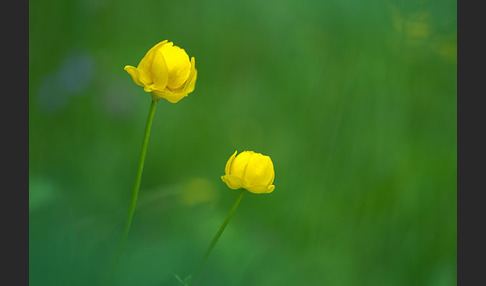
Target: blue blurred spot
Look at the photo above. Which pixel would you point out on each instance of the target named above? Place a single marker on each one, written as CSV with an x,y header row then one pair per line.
x,y
72,78
50,96
76,73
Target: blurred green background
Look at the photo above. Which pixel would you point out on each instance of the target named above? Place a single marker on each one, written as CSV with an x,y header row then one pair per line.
x,y
355,102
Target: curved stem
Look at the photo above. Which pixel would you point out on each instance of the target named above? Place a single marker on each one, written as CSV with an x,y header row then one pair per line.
x,y
218,234
138,179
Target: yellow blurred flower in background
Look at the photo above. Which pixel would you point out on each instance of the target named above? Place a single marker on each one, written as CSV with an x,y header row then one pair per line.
x,y
166,72
251,171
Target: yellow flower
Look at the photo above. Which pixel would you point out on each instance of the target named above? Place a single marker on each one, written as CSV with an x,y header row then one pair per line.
x,y
251,171
166,72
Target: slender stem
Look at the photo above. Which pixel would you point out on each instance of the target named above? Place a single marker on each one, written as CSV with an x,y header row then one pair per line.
x,y
136,187
218,234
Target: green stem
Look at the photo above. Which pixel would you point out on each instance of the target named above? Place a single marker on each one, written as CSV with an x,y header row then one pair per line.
x,y
138,179
218,234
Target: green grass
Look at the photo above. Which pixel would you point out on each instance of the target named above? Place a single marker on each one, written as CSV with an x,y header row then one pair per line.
x,y
354,101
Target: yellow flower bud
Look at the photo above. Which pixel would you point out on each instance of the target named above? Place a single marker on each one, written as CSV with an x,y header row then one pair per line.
x,y
166,72
251,171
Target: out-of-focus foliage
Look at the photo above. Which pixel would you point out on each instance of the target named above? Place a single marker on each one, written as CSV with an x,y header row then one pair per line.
x,y
355,102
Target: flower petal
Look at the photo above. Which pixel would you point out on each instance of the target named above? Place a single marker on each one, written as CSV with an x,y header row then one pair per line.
x,y
145,65
178,64
228,164
169,95
191,80
261,189
273,176
134,73
259,170
238,167
234,182
159,71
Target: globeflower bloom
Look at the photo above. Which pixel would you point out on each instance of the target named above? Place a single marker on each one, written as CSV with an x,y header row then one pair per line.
x,y
251,171
166,72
